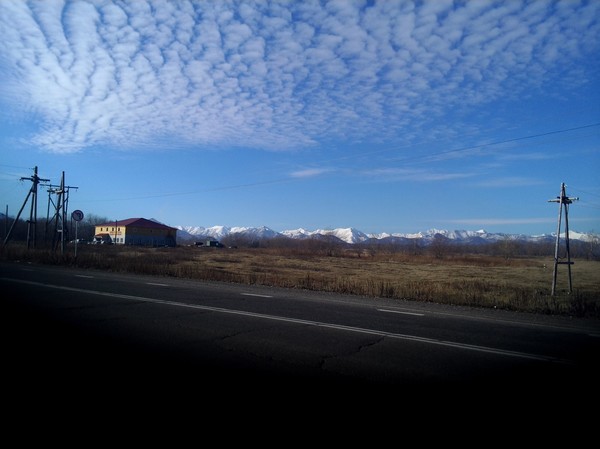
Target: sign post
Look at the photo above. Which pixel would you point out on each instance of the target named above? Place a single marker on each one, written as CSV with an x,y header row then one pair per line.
x,y
77,215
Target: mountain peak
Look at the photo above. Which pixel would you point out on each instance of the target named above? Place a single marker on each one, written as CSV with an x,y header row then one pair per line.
x,y
352,235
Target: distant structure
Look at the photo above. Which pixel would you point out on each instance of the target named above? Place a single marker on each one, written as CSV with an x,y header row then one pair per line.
x,y
209,243
135,231
563,206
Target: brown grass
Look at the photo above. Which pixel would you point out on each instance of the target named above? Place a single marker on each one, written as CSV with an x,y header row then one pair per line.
x,y
522,284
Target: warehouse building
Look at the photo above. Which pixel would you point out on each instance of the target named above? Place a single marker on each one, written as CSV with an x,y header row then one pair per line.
x,y
135,231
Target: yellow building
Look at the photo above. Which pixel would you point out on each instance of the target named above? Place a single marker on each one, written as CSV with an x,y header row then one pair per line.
x,y
135,231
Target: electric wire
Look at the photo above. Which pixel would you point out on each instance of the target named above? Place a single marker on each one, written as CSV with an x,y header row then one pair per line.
x,y
427,157
413,158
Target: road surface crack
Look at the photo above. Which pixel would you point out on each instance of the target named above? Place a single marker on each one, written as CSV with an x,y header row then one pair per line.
x,y
351,353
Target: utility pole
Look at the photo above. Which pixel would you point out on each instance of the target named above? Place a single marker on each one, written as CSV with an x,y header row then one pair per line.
x,y
51,190
32,222
6,222
60,214
563,199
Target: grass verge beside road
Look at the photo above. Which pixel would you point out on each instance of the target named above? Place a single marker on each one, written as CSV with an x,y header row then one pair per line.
x,y
520,284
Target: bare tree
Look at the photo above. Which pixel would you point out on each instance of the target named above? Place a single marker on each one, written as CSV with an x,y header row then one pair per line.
x,y
439,246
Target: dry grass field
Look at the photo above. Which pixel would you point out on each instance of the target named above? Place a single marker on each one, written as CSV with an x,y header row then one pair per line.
x,y
522,284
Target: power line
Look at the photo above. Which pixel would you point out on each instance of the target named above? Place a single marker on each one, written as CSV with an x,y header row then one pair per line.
x,y
589,205
586,192
193,192
500,142
458,150
584,203
16,166
423,157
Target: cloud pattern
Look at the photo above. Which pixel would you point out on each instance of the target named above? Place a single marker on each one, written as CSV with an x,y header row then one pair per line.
x,y
276,75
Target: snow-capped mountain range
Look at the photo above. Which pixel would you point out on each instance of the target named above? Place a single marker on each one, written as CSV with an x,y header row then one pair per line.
x,y
352,235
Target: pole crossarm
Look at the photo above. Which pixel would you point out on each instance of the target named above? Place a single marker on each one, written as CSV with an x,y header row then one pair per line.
x,y
35,178
564,200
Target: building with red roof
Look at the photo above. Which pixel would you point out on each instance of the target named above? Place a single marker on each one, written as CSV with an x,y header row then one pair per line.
x,y
135,231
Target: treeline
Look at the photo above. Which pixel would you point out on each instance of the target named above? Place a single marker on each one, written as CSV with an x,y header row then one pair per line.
x,y
439,247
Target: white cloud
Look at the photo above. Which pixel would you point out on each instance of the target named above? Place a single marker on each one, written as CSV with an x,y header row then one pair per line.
x,y
309,172
274,75
500,221
415,175
510,181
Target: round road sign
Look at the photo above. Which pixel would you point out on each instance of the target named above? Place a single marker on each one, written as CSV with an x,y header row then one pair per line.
x,y
77,215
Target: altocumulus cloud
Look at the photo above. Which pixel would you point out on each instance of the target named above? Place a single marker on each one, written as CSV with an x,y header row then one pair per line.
x,y
272,75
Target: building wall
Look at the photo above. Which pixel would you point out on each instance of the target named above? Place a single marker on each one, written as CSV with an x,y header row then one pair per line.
x,y
132,235
110,230
147,236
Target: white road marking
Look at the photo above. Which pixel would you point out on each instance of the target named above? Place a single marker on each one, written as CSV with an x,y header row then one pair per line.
x,y
255,294
156,283
431,341
398,311
84,276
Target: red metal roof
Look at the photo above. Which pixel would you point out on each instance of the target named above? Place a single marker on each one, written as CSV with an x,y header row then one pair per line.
x,y
137,222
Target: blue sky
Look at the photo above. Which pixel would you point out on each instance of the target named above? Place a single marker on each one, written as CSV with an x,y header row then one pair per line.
x,y
390,116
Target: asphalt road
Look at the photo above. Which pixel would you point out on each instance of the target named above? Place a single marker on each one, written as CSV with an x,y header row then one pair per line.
x,y
82,333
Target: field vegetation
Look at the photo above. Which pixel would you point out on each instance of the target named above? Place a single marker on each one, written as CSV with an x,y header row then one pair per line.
x,y
502,277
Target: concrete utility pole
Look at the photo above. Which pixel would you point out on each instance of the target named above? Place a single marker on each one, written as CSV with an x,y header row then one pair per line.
x,y
562,199
32,222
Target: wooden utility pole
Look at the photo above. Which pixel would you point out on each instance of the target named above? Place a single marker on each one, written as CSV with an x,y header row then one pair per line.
x,y
32,222
60,213
563,199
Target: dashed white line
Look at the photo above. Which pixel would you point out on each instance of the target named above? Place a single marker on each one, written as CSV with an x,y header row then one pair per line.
x,y
157,284
399,311
84,276
255,294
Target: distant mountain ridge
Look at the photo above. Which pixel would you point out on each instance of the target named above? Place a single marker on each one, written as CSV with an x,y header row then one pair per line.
x,y
353,236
